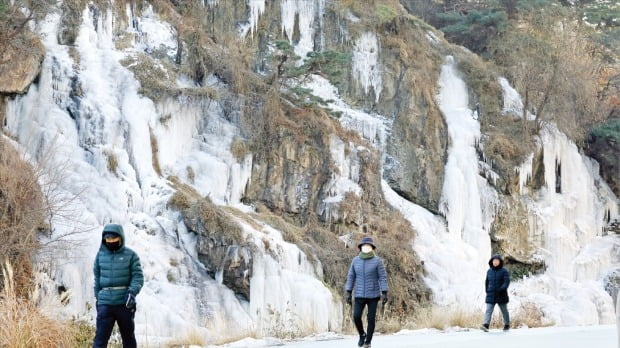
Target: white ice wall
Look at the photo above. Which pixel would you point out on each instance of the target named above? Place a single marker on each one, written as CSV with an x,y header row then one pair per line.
x,y
465,195
567,229
111,118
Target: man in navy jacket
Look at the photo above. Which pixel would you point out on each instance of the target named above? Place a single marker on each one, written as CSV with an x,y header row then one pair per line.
x,y
496,285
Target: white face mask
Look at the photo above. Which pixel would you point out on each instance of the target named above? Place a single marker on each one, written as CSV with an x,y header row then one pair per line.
x,y
366,248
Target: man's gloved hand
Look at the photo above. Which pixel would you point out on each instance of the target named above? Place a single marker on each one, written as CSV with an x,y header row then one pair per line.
x,y
130,301
384,297
349,298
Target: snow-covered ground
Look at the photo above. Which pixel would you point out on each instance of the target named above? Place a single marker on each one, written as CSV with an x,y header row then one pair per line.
x,y
551,337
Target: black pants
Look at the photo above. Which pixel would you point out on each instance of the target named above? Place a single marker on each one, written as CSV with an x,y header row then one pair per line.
x,y
107,315
358,308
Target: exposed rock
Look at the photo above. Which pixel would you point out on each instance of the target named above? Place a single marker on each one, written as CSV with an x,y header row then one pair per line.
x,y
291,177
220,246
20,63
418,143
2,111
606,151
510,231
612,284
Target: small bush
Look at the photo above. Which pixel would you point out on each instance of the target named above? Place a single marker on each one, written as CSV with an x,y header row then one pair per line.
x,y
112,162
239,149
529,315
386,13
84,333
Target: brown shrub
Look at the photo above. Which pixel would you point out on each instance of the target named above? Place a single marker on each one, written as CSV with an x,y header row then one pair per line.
x,y
155,152
530,315
238,148
112,160
23,325
22,213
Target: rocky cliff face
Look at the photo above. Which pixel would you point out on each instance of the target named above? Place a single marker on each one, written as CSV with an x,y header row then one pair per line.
x,y
20,62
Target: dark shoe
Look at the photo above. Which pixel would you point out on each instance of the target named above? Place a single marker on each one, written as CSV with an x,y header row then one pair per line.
x,y
506,327
360,343
485,327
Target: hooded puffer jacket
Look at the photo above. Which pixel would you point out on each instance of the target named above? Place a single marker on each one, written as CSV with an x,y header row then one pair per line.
x,y
116,272
497,281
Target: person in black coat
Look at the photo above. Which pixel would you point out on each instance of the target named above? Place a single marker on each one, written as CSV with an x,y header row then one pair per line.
x,y
496,285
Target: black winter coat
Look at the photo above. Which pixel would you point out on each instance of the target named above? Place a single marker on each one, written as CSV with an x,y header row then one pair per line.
x,y
496,284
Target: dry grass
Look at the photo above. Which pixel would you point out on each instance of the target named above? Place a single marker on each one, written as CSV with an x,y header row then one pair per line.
x,y
529,315
22,214
155,152
192,337
239,149
112,160
23,325
441,318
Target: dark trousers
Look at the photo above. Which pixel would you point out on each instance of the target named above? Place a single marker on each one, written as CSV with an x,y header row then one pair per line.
x,y
358,308
107,315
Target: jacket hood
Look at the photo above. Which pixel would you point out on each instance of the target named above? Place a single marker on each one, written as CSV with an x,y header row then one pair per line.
x,y
498,257
116,229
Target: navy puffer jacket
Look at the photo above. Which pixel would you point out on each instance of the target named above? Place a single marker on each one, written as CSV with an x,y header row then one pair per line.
x,y
496,284
116,272
368,276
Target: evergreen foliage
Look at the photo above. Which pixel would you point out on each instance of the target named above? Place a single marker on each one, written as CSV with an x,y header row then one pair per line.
x,y
609,130
473,29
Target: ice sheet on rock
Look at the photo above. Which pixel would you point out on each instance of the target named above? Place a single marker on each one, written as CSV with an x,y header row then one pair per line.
x,y
344,179
365,64
465,197
152,34
113,120
453,268
195,142
256,9
307,14
566,223
513,104
300,304
372,127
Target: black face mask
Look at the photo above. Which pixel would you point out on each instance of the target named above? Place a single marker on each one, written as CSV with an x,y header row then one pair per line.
x,y
113,246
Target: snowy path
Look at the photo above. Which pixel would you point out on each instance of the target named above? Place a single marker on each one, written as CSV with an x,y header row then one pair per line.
x,y
553,337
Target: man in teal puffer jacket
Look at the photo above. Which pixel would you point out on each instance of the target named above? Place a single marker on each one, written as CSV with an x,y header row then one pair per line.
x,y
118,279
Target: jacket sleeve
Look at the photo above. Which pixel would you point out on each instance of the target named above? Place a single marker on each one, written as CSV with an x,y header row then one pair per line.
x,y
96,273
350,278
383,279
137,278
486,283
506,281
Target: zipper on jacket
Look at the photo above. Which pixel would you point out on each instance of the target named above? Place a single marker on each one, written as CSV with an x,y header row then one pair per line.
x,y
364,273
